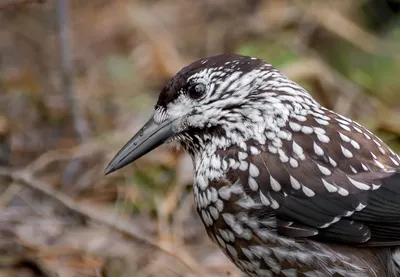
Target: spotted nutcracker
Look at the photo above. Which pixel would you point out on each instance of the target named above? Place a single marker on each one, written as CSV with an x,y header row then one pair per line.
x,y
284,186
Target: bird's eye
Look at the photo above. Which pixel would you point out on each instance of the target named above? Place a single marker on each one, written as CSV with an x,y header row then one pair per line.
x,y
196,90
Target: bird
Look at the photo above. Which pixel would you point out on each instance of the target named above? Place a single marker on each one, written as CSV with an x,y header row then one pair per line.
x,y
283,185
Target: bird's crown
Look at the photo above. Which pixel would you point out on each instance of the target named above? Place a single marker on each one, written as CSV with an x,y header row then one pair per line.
x,y
230,96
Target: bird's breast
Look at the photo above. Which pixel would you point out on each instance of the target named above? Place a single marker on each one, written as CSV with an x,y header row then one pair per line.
x,y
244,224
227,213
234,229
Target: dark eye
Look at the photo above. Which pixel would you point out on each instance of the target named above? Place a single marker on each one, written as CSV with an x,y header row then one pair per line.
x,y
196,90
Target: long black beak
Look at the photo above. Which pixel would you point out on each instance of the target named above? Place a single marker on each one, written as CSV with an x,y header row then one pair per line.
x,y
148,138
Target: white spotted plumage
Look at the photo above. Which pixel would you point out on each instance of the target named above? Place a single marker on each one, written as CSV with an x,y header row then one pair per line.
x,y
266,153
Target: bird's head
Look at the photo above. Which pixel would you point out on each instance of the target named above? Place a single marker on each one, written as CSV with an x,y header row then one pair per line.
x,y
226,99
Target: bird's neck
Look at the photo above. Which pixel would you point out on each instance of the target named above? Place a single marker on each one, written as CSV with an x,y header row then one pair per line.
x,y
258,125
210,149
235,130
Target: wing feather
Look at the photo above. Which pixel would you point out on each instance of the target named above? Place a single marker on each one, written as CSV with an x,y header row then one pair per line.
x,y
333,184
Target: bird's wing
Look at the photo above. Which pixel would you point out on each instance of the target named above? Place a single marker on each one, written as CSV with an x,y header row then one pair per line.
x,y
330,179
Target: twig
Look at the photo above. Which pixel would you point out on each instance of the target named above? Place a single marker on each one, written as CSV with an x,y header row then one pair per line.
x,y
96,215
89,148
12,190
5,4
80,124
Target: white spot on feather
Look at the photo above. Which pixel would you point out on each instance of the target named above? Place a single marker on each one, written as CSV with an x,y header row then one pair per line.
x,y
332,162
224,192
318,150
214,195
343,192
349,213
224,234
275,184
243,165
322,121
295,126
220,205
323,138
301,118
214,212
202,182
254,150
355,144
253,184
336,219
320,131
282,156
345,127
346,152
295,184
298,150
359,185
357,129
221,242
264,199
242,155
344,137
274,204
272,149
205,218
231,162
379,164
396,163
329,187
360,207
248,253
229,219
307,130
342,121
377,143
375,187
282,135
324,170
293,162
253,171
232,251
307,191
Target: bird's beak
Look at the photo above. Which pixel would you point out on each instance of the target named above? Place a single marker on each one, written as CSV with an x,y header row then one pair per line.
x,y
148,138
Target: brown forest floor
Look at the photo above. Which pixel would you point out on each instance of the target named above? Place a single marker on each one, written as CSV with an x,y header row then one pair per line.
x,y
64,112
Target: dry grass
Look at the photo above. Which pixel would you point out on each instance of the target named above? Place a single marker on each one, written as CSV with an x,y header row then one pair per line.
x,y
58,214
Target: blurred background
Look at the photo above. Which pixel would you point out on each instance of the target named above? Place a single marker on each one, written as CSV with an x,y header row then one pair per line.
x,y
78,78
